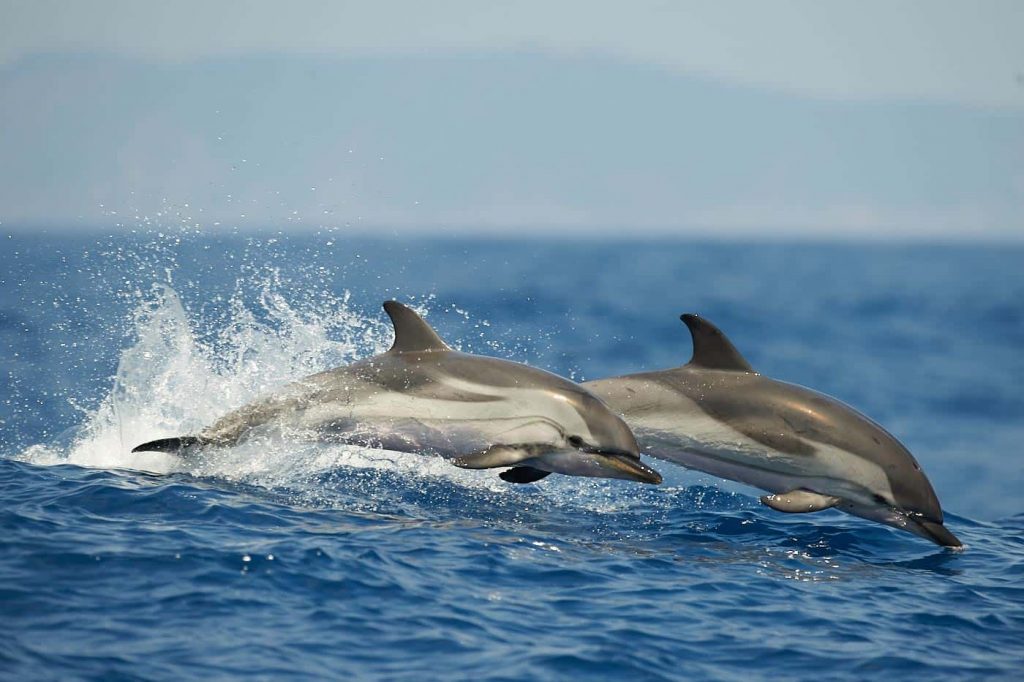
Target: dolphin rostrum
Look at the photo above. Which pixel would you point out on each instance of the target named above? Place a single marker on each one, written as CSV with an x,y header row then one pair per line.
x,y
810,451
421,396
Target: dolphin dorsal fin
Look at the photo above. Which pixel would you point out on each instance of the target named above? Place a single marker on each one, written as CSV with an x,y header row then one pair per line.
x,y
412,334
711,348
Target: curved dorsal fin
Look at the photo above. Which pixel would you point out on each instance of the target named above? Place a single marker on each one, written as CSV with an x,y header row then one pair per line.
x,y
711,349
411,332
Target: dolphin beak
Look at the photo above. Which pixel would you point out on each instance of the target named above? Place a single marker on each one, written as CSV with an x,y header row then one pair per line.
x,y
594,462
911,522
637,470
936,532
628,464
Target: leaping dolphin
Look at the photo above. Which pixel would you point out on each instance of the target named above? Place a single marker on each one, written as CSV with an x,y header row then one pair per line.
x,y
421,396
810,451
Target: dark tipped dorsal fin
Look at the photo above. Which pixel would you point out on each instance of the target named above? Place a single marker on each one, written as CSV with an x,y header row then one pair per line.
x,y
711,349
411,332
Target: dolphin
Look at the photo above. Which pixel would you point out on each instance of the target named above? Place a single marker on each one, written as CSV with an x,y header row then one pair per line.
x,y
421,396
808,450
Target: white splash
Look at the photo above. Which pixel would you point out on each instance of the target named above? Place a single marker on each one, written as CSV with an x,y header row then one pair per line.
x,y
174,381
171,383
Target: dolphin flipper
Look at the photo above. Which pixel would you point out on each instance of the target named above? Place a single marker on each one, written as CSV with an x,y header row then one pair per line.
x,y
174,446
799,502
523,475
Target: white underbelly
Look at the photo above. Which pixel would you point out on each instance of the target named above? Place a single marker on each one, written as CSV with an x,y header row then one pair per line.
x,y
697,441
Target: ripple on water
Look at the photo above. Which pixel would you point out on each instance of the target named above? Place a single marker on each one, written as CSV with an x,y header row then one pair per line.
x,y
289,561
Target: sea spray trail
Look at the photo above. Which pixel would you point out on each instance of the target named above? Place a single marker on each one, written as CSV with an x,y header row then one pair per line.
x,y
170,383
300,561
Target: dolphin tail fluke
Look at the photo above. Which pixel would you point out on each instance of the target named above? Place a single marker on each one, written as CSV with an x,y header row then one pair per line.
x,y
181,446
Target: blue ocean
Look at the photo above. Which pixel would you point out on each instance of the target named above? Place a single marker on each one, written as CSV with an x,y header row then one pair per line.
x,y
299,561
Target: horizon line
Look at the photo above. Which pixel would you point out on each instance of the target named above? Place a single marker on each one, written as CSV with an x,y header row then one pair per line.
x,y
530,232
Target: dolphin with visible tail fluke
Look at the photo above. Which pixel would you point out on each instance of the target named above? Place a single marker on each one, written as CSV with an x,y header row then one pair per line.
x,y
421,396
810,451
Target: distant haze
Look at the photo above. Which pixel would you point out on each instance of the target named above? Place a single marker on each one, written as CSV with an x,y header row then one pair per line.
x,y
890,120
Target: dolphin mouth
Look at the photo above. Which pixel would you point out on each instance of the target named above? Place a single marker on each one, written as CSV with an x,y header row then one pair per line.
x,y
936,532
625,463
905,520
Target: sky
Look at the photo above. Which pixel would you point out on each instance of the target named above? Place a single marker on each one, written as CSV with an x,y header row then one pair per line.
x,y
819,118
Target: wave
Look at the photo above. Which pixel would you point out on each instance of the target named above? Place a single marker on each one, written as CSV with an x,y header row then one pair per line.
x,y
183,371
179,375
174,380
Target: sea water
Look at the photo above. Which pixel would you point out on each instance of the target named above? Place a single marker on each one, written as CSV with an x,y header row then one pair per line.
x,y
282,560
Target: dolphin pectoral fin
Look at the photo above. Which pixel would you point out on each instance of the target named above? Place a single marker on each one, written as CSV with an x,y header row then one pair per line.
x,y
799,502
173,446
494,456
523,475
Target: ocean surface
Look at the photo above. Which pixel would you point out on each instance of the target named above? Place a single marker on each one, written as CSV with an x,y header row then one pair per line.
x,y
293,561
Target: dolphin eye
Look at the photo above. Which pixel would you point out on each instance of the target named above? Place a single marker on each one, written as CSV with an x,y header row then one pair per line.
x,y
576,441
879,499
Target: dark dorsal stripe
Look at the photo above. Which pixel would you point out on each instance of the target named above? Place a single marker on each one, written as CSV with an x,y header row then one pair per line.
x,y
411,332
711,349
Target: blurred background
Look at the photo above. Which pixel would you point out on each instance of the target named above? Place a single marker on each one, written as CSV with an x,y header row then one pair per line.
x,y
734,119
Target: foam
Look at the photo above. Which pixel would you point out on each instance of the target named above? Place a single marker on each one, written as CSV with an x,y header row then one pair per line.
x,y
179,375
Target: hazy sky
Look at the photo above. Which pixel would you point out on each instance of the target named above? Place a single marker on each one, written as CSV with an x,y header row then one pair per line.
x,y
895,117
969,51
